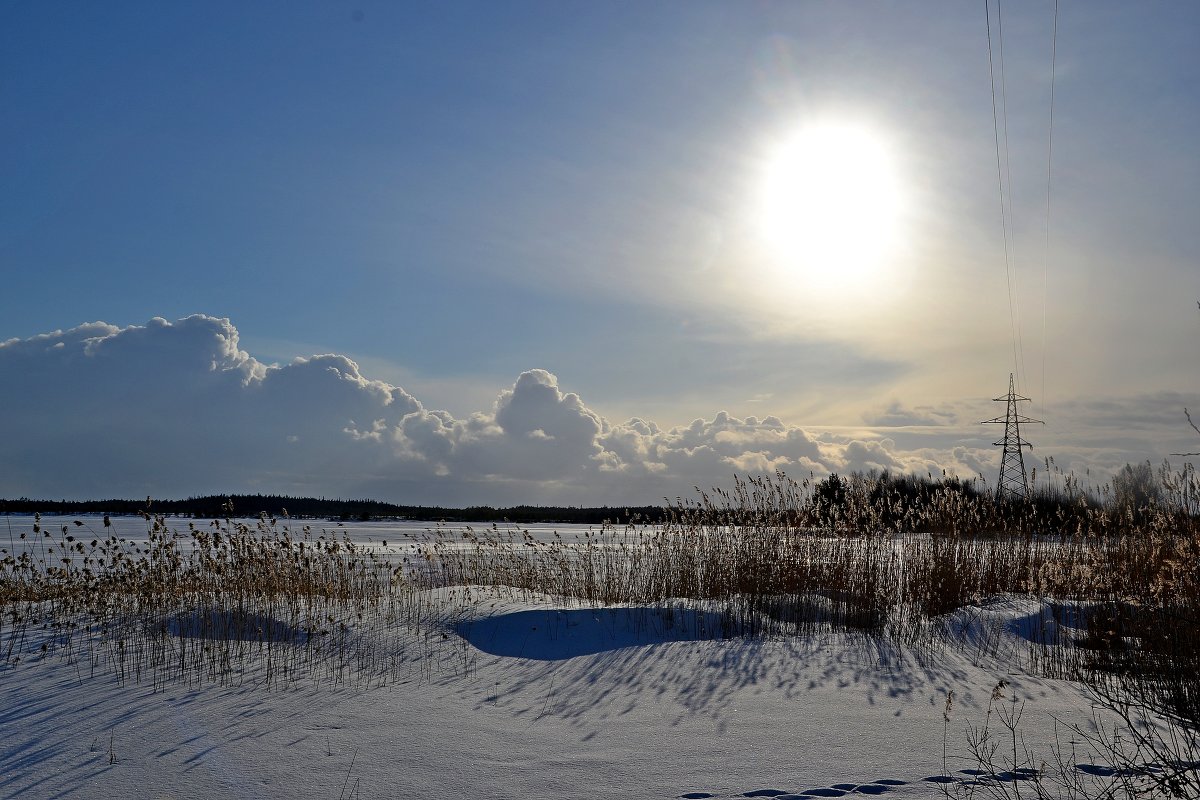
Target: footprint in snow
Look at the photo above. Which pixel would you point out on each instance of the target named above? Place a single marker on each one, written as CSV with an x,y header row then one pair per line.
x,y
877,787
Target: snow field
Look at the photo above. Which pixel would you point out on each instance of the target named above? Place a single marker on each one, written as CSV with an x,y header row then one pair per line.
x,y
526,698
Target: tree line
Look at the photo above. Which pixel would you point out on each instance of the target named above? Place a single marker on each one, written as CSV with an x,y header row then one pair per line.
x,y
252,505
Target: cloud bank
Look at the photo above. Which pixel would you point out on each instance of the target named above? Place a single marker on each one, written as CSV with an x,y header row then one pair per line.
x,y
178,408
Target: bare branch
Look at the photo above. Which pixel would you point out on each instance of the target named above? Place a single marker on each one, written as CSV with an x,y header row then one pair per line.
x,y
1193,424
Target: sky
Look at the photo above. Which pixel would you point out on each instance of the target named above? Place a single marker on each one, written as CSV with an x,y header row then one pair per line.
x,y
589,253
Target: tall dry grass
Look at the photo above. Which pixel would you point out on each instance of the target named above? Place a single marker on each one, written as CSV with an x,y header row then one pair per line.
x,y
775,556
225,602
781,556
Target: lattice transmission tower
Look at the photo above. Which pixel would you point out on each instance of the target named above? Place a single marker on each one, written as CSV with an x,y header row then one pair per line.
x,y
1012,483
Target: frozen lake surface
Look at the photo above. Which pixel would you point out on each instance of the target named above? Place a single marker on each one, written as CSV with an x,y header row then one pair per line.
x,y
385,537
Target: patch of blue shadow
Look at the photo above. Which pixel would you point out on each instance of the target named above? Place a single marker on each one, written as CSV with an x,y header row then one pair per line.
x,y
554,634
871,788
229,625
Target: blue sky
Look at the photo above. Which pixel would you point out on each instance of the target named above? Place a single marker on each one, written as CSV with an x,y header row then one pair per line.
x,y
452,195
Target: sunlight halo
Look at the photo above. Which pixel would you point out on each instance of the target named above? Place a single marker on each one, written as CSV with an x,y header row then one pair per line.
x,y
828,208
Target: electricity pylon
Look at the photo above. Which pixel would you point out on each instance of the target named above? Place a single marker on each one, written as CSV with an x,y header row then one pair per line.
x,y
1012,483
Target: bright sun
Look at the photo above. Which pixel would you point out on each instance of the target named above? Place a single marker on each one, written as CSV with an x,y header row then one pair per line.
x,y
829,207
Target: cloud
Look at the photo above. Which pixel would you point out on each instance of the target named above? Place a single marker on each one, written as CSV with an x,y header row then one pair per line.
x,y
896,414
178,408
170,408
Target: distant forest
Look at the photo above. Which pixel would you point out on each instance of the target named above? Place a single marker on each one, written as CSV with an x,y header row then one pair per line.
x,y
252,505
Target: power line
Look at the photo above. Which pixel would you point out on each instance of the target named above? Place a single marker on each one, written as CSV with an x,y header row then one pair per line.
x,y
1049,174
1004,222
1012,236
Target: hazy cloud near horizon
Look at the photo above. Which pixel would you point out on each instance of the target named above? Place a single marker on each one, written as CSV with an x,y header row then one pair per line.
x,y
178,408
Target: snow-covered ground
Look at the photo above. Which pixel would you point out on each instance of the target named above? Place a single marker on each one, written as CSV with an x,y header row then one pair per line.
x,y
528,698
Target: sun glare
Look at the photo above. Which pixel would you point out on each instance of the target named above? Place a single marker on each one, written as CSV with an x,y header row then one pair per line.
x,y
829,206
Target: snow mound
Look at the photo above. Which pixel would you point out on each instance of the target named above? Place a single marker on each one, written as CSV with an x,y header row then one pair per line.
x,y
1006,621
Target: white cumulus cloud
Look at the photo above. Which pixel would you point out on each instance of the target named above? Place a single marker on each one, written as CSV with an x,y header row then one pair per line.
x,y
178,408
